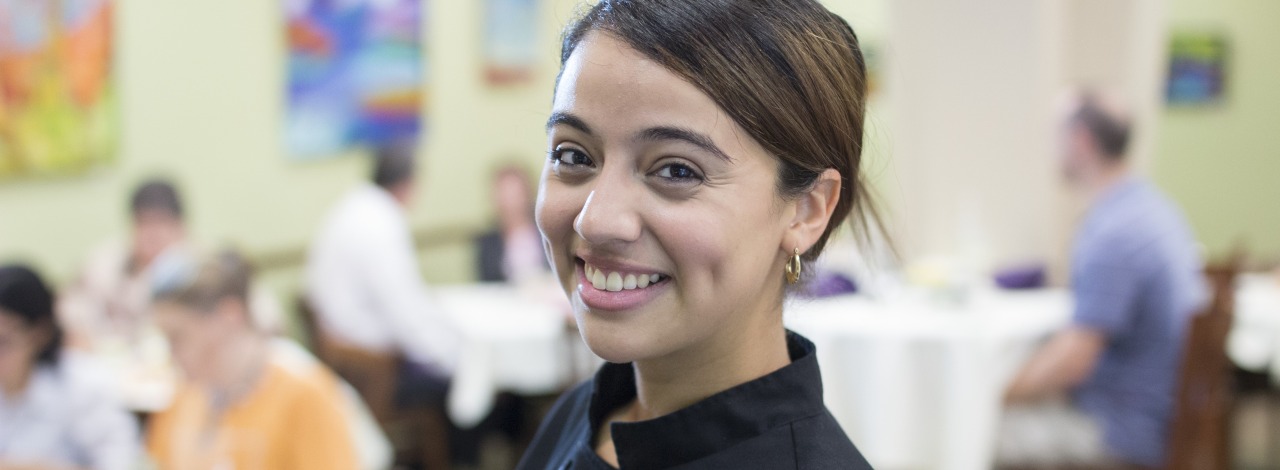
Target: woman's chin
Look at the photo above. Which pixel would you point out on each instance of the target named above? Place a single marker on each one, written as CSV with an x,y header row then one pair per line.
x,y
615,345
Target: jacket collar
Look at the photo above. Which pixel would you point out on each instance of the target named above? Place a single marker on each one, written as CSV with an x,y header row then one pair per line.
x,y
714,424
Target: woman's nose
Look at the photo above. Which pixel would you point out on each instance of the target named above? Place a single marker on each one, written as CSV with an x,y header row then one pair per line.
x,y
610,215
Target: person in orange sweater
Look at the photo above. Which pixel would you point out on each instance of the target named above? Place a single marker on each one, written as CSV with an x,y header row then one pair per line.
x,y
242,406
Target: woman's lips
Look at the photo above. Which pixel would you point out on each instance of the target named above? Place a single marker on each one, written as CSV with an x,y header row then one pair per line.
x,y
614,281
617,290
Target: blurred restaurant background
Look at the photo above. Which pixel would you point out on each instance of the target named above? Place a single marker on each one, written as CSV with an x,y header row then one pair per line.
x,y
236,103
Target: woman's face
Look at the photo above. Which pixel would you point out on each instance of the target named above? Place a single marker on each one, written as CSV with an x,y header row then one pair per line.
x,y
20,344
660,214
153,232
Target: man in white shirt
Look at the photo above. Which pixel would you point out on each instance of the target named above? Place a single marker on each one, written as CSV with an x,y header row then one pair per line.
x,y
363,281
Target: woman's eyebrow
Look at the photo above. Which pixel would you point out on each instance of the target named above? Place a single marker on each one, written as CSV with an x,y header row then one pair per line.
x,y
685,135
568,119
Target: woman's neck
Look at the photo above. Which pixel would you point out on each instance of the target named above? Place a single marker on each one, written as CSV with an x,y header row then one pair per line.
x,y
733,357
745,351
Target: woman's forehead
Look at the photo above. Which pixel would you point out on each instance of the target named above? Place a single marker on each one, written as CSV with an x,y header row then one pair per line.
x,y
605,82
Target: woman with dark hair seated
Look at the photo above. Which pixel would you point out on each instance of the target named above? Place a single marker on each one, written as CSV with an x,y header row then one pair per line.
x,y
700,153
512,252
54,413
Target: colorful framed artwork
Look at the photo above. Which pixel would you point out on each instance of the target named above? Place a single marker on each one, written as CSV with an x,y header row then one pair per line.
x,y
1197,69
356,74
57,95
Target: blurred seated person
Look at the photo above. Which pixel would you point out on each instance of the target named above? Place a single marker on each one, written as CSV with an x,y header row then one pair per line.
x,y
108,301
363,281
373,449
54,411
107,306
242,405
512,252
1102,390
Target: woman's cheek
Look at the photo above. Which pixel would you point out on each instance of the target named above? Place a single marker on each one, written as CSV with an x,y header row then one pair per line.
x,y
555,215
718,252
692,240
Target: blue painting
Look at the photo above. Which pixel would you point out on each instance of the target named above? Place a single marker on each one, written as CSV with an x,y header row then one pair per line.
x,y
356,74
1197,69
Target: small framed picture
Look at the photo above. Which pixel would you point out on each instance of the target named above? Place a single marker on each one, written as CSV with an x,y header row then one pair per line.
x,y
1197,69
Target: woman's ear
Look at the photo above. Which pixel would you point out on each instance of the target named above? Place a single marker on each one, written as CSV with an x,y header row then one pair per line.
x,y
813,212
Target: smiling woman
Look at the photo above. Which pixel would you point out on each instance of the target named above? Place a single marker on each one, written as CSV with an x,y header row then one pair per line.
x,y
698,153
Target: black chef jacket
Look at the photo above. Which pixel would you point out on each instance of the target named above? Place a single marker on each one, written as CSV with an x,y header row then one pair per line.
x,y
774,422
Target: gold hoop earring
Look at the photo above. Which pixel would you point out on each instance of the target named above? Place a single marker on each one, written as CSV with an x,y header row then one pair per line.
x,y
793,267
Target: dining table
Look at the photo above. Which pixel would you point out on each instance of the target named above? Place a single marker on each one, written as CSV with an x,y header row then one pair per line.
x,y
916,379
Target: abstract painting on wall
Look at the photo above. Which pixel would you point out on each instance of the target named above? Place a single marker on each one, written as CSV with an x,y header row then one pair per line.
x,y
1197,69
57,97
510,41
356,74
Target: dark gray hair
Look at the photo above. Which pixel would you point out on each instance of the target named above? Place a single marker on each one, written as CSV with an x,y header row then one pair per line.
x,y
1109,131
394,163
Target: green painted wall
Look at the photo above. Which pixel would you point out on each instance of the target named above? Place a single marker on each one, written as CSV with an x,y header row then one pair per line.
x,y
202,102
1222,164
200,89
201,99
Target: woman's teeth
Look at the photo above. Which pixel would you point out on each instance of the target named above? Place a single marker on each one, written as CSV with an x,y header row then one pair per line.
x,y
615,281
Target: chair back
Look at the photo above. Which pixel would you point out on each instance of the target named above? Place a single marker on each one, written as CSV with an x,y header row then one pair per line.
x,y
372,374
1199,437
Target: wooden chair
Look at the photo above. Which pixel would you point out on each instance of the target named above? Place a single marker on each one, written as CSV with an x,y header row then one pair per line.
x,y
420,437
1199,438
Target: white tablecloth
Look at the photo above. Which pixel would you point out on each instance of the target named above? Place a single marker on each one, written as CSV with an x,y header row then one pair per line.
x,y
917,383
512,341
1254,343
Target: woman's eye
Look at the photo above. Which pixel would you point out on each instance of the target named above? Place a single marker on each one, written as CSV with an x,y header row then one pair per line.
x,y
676,171
568,156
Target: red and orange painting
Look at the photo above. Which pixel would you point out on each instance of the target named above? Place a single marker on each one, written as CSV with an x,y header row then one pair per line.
x,y
57,100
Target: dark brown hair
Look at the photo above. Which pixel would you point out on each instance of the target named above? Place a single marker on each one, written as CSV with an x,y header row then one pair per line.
x,y
789,72
394,163
158,195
